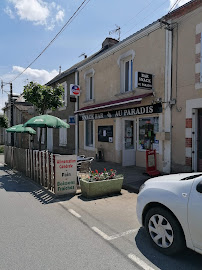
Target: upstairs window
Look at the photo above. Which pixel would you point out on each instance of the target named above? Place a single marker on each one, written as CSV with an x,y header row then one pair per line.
x,y
89,79
125,62
64,97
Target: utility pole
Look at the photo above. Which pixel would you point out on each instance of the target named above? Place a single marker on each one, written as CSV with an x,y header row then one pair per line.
x,y
11,106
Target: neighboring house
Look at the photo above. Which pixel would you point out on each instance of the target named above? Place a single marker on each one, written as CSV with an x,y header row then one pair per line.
x,y
62,140
2,133
22,112
65,141
186,59
146,93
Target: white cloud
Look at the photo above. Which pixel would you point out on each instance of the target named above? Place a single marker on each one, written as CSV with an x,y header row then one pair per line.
x,y
37,11
181,3
9,12
38,75
59,16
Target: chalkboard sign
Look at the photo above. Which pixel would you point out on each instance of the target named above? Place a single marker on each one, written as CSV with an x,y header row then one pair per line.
x,y
105,133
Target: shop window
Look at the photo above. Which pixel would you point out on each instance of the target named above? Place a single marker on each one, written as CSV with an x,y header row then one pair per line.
x,y
89,133
148,127
63,135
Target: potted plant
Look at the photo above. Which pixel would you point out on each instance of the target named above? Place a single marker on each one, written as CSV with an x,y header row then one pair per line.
x,y
100,184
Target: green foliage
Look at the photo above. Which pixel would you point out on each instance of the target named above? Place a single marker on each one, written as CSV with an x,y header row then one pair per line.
x,y
44,97
3,122
1,149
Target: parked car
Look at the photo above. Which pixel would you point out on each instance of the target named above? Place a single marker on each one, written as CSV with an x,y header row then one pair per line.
x,y
170,209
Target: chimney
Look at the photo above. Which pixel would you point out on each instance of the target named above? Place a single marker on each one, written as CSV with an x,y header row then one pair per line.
x,y
59,69
109,42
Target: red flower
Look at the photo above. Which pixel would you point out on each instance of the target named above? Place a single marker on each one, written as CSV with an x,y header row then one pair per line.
x,y
96,171
105,169
92,171
111,170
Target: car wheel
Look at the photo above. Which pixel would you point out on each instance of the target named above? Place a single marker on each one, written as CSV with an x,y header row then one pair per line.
x,y
164,231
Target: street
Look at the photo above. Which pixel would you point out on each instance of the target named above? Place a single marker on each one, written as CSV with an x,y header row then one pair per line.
x,y
41,232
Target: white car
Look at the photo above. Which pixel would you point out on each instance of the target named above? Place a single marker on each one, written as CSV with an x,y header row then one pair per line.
x,y
170,208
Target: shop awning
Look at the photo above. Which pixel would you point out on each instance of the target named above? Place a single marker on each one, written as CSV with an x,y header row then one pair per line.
x,y
111,104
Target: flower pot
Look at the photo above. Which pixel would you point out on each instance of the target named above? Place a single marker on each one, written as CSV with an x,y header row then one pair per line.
x,y
101,188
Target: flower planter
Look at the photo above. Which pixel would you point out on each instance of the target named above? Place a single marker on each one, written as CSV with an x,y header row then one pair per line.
x,y
101,188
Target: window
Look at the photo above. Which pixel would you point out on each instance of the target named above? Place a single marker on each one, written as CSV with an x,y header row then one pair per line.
x,y
89,132
63,135
148,127
125,62
89,79
128,66
42,135
129,136
64,97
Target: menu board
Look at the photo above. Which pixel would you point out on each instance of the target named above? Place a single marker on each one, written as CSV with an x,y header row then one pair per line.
x,y
105,134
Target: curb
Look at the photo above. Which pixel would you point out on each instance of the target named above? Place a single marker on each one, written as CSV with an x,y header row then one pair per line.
x,y
130,188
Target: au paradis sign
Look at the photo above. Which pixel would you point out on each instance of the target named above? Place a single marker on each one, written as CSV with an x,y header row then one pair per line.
x,y
149,109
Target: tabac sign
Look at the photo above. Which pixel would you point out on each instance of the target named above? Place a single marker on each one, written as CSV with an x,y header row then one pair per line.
x,y
149,109
143,80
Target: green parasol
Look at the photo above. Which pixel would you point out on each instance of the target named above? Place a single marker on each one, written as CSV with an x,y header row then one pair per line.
x,y
46,121
21,129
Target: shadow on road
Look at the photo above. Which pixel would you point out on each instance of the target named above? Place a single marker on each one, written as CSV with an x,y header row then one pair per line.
x,y
14,182
81,197
188,260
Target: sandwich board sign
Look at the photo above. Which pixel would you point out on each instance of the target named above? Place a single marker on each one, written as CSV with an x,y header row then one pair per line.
x,y
65,174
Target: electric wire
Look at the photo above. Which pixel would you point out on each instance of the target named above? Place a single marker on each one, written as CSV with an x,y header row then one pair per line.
x,y
177,2
61,30
143,9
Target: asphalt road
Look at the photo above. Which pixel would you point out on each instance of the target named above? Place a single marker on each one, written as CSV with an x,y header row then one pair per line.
x,y
40,232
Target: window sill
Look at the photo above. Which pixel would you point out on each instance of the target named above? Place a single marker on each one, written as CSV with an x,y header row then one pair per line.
x,y
90,148
90,101
126,94
62,108
62,144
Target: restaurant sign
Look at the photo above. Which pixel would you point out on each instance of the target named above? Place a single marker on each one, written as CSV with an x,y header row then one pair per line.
x,y
143,80
149,109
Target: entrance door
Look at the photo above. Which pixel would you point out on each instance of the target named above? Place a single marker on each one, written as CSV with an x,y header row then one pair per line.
x,y
50,139
128,153
199,154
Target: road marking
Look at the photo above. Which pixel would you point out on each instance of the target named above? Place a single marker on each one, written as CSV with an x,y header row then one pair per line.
x,y
139,262
74,213
102,234
115,236
122,234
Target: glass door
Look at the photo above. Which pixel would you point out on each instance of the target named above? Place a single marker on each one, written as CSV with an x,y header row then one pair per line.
x,y
128,157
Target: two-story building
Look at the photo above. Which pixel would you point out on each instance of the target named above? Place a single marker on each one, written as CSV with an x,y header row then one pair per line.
x,y
125,93
145,93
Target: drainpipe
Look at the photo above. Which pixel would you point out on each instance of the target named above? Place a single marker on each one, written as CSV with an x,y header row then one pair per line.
x,y
77,117
167,106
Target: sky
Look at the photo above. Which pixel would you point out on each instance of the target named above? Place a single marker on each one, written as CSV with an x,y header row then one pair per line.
x,y
27,27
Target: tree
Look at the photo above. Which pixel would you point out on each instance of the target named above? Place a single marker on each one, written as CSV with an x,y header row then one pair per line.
x,y
44,98
3,121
